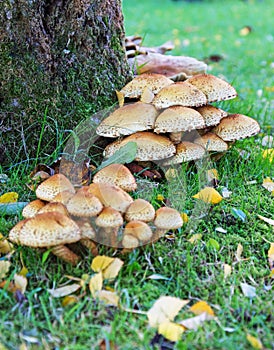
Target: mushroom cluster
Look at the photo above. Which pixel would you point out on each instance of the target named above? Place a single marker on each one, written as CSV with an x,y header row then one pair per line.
x,y
101,212
175,122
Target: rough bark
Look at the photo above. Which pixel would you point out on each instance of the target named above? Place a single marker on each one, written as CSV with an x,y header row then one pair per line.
x,y
60,60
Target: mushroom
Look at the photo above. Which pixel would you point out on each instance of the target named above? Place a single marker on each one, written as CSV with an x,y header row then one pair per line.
x,y
84,204
128,119
149,146
140,210
137,229
63,197
182,93
49,188
176,120
166,219
32,208
54,207
212,142
118,175
212,115
214,88
109,220
236,127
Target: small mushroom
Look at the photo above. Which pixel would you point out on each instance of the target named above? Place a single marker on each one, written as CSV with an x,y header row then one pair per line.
x,y
212,142
118,175
63,197
138,229
212,115
49,188
109,220
84,204
140,210
166,219
32,208
54,207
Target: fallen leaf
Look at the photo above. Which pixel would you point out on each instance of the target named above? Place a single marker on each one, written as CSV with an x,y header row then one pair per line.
x,y
120,98
171,331
96,283
69,299
12,208
239,252
238,214
200,307
63,291
268,184
212,175
185,218
101,262
268,154
267,220
270,254
255,342
245,30
109,298
5,246
105,344
195,238
220,229
4,268
248,290
157,276
20,283
195,322
209,195
227,270
9,197
112,270
165,309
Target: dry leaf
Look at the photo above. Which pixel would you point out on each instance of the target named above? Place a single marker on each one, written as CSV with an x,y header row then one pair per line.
x,y
171,331
165,309
9,197
200,307
101,262
5,246
227,270
4,268
195,322
63,291
212,175
112,270
20,283
195,238
268,184
255,342
270,254
106,345
267,220
109,298
239,252
120,98
69,299
185,217
248,290
209,195
96,284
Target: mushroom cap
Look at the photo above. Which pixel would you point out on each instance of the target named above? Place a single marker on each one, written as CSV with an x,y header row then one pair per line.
x,y
178,118
214,88
111,196
212,142
186,151
236,127
182,93
212,115
54,207
15,231
128,119
138,229
155,82
49,188
116,174
49,229
168,218
140,210
84,204
109,218
149,146
130,242
32,208
63,197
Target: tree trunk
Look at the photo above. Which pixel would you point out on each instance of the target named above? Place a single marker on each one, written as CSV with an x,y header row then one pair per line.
x,y
60,61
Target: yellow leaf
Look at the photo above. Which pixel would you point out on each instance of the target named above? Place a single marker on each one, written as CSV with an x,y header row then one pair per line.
x,y
171,331
269,154
270,254
4,268
255,342
272,273
227,270
63,291
268,184
195,238
96,283
109,298
239,252
212,174
195,322
160,197
69,299
112,270
267,220
101,262
185,218
5,246
9,197
20,283
165,309
209,195
201,307
120,98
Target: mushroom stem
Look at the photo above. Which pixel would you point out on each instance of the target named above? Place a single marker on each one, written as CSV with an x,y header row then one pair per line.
x,y
65,254
175,137
88,243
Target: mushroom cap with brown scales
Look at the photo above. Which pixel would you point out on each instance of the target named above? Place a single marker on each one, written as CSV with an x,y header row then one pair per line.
x,y
15,231
186,152
139,230
32,208
182,94
214,88
236,126
212,115
49,188
63,197
167,219
140,210
109,218
54,207
211,142
116,174
128,119
49,229
130,242
150,146
155,82
84,204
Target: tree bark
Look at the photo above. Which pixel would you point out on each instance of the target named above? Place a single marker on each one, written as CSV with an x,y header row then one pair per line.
x,y
60,61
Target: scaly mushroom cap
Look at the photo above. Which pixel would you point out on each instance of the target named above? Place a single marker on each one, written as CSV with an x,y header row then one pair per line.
x,y
63,197
155,82
178,118
236,127
111,196
138,229
130,242
128,119
168,218
54,207
109,218
140,210
183,94
186,151
49,188
118,175
49,229
32,208
214,88
149,146
84,204
212,142
212,115
15,231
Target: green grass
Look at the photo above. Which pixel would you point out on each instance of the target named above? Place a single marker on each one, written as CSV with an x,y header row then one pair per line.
x,y
193,271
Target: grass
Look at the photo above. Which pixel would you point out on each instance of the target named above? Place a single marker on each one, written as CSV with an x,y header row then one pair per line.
x,y
193,271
